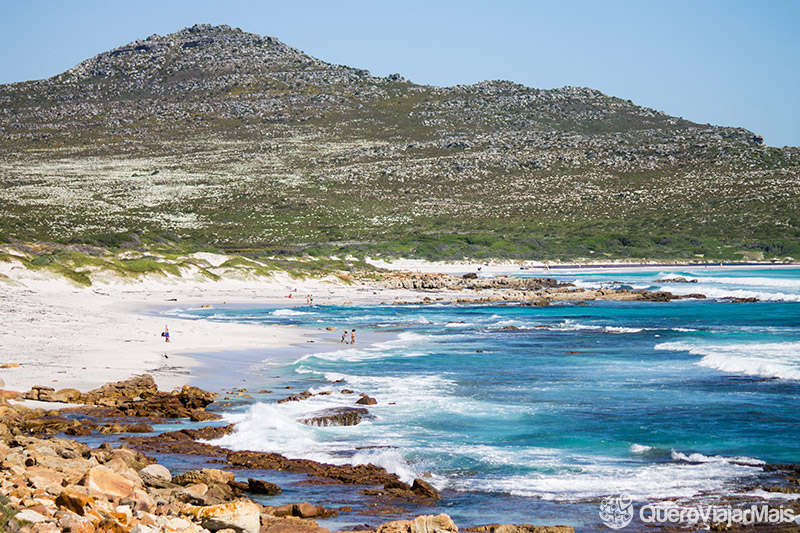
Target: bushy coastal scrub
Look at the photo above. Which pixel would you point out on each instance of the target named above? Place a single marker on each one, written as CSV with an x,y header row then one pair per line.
x,y
215,137
82,265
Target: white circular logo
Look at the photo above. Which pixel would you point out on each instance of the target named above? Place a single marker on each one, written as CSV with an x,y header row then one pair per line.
x,y
616,511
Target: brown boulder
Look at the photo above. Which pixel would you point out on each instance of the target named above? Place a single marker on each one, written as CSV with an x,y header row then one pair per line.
x,y
73,500
222,492
304,510
73,523
77,431
29,515
104,481
138,386
112,429
38,477
259,486
9,395
67,395
421,524
425,489
139,500
243,516
195,494
155,475
290,524
41,393
111,525
367,400
139,427
200,415
195,398
208,476
301,510
131,458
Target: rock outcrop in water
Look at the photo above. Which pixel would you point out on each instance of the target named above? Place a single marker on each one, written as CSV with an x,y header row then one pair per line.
x,y
337,416
532,291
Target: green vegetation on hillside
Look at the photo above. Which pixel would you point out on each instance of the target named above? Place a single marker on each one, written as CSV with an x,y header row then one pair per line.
x,y
214,138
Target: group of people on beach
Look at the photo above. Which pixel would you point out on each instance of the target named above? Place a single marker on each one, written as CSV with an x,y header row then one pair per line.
x,y
352,337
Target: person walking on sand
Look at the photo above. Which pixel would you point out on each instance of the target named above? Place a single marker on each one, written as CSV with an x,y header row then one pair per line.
x,y
165,334
352,337
344,337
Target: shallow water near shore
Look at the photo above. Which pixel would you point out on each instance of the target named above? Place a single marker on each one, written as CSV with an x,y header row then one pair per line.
x,y
536,424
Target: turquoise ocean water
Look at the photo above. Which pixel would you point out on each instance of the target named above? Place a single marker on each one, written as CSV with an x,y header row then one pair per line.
x,y
682,400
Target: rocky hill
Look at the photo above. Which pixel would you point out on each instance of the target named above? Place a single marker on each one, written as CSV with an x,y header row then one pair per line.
x,y
215,137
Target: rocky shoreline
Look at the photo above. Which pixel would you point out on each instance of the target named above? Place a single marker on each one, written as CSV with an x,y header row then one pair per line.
x,y
51,483
535,291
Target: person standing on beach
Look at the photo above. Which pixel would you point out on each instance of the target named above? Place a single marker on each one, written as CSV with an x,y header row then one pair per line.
x,y
344,337
352,336
165,334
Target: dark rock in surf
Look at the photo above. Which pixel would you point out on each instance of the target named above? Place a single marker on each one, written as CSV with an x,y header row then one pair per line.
x,y
367,400
425,489
337,416
259,486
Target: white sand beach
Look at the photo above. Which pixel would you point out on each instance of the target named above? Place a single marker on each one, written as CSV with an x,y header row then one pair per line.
x,y
57,334
67,337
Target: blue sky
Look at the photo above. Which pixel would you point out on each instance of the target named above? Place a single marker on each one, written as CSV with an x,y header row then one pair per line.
x,y
731,63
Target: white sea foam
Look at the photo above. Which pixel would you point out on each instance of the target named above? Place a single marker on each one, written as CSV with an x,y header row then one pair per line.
x,y
586,284
765,359
700,458
640,448
508,322
390,459
593,479
571,325
721,292
289,312
267,428
754,281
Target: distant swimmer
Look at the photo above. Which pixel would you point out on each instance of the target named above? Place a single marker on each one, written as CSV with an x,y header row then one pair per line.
x,y
344,337
352,337
165,334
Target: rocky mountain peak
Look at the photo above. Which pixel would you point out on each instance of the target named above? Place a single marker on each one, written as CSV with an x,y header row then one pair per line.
x,y
209,55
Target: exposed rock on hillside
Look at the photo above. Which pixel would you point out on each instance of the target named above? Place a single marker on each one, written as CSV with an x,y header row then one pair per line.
x,y
228,138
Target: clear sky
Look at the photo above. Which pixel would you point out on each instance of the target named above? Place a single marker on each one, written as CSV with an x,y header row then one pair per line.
x,y
725,62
